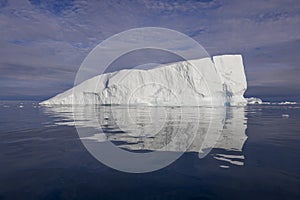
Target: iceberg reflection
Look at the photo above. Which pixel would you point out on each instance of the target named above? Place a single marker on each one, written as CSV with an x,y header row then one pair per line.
x,y
161,129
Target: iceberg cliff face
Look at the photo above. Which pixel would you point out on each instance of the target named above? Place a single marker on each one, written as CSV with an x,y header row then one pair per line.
x,y
191,83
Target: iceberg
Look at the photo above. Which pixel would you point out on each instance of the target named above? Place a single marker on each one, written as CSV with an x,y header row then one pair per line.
x,y
184,83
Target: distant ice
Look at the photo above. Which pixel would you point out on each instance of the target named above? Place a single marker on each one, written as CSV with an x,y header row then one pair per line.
x,y
287,103
224,166
254,100
285,115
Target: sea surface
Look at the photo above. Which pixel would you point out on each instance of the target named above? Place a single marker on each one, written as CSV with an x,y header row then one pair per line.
x,y
250,152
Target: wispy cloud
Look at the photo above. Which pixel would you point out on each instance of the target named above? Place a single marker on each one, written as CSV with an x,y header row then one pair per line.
x,y
47,40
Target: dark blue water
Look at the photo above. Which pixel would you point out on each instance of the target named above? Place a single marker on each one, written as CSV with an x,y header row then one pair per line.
x,y
42,157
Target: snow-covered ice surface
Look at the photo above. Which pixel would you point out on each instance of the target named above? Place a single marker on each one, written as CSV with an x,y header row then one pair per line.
x,y
185,83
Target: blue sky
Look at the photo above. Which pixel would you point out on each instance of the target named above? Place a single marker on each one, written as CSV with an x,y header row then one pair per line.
x,y
43,43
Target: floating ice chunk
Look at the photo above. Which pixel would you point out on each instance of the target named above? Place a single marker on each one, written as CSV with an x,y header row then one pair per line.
x,y
287,103
224,166
254,100
266,103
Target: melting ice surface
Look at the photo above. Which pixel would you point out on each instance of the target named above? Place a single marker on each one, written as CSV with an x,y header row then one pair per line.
x,y
162,129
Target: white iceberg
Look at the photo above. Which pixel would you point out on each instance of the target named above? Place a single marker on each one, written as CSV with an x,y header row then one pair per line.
x,y
185,83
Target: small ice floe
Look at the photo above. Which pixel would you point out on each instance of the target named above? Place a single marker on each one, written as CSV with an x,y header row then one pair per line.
x,y
224,166
285,115
287,103
21,106
254,100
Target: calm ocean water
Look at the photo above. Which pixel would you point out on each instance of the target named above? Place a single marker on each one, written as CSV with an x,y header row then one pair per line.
x,y
255,156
